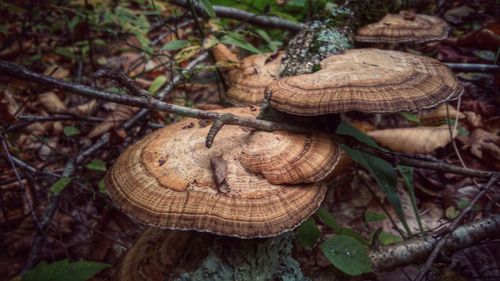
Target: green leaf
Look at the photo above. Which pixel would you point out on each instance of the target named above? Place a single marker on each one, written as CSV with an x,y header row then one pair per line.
x,y
175,45
65,52
345,128
308,233
263,34
347,231
451,213
64,270
485,55
328,219
347,254
186,53
207,6
235,39
463,203
59,185
102,186
410,117
463,131
381,170
157,84
387,238
96,165
71,131
407,173
374,216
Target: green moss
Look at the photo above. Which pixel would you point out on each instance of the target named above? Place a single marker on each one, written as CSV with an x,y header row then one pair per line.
x,y
248,260
310,46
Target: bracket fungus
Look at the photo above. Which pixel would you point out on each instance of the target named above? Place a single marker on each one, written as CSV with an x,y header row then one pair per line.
x,y
366,80
249,81
290,158
168,180
403,28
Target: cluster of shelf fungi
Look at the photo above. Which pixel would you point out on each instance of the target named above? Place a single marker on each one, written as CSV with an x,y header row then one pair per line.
x,y
253,184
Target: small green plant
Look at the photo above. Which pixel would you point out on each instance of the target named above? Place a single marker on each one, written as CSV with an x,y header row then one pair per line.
x,y
64,270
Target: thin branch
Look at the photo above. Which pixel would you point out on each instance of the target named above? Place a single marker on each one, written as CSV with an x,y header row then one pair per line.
x,y
32,169
30,119
123,80
232,13
414,161
473,67
29,200
442,240
23,73
216,127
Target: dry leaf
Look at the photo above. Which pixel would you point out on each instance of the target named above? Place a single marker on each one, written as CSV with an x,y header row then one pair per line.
x,y
8,106
439,115
342,167
484,145
56,71
487,38
473,119
413,140
219,168
121,114
51,102
84,109
223,54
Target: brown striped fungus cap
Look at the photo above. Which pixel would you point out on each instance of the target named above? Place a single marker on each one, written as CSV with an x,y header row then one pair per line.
x,y
290,158
171,180
249,81
404,27
367,80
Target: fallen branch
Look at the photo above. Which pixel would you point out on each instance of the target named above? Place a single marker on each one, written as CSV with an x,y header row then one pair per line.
x,y
441,242
417,249
20,72
23,73
232,13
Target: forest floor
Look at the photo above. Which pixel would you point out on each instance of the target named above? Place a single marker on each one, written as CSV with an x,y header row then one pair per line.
x,y
43,130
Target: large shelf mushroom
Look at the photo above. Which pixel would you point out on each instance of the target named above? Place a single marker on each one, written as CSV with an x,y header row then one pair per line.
x,y
367,80
249,77
171,180
249,80
403,28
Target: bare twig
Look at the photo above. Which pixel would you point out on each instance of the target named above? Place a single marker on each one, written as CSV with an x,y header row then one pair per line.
x,y
30,119
216,126
32,169
441,242
454,131
18,177
124,81
411,160
48,214
473,67
232,13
